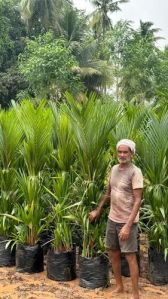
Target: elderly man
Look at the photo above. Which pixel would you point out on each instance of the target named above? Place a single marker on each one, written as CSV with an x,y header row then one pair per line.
x,y
124,193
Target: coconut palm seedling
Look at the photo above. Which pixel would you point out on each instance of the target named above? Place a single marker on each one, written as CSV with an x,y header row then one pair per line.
x,y
29,213
62,217
92,121
93,264
29,217
61,262
92,234
11,137
155,220
36,124
154,154
153,151
63,141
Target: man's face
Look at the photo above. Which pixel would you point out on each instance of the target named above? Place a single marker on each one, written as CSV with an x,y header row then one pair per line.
x,y
124,154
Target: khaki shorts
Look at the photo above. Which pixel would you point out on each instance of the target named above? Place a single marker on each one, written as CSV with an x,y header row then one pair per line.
x,y
114,243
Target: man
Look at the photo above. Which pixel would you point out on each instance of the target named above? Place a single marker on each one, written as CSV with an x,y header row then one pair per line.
x,y
124,193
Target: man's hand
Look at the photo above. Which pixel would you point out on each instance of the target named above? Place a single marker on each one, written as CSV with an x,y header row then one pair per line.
x,y
94,215
124,232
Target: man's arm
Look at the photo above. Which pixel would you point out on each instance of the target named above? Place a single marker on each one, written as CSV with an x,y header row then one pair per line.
x,y
124,233
93,215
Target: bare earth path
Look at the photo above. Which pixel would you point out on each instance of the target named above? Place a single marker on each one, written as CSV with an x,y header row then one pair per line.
x,y
15,285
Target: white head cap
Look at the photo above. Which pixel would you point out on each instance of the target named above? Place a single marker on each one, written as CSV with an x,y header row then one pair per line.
x,y
127,142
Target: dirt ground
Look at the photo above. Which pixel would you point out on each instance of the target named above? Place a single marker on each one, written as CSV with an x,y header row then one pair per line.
x,y
14,285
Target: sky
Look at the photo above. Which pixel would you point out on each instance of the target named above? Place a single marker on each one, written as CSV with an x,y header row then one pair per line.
x,y
155,11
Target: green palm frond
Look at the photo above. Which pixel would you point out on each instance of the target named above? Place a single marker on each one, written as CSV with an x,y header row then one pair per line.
x,y
36,123
28,219
47,13
92,122
154,150
131,124
64,146
11,136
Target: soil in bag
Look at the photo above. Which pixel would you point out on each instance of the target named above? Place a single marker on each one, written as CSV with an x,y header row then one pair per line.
x,y
7,255
94,272
61,266
158,267
29,259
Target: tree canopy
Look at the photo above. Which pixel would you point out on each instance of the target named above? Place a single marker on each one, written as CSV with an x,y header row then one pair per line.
x,y
49,47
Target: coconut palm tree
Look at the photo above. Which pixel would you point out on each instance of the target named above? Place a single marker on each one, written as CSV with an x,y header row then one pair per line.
x,y
41,14
73,25
100,19
147,32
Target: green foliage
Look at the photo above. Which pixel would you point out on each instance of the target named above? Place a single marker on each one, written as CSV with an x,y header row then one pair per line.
x,y
94,70
139,61
67,148
28,213
47,64
100,19
162,75
10,143
11,33
62,211
131,123
155,218
36,124
153,150
11,83
29,223
64,146
73,26
10,139
92,234
8,198
40,15
92,121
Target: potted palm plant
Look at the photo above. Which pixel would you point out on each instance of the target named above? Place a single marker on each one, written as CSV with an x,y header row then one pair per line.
x,y
10,143
61,260
35,121
154,155
93,263
29,216
8,197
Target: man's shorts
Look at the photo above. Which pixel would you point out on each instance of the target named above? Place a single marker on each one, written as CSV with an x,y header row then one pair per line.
x,y
113,242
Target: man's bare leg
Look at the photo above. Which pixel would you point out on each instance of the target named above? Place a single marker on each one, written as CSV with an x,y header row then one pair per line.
x,y
115,259
134,273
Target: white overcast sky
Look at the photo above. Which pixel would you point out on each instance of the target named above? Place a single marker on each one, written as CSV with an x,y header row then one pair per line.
x,y
155,11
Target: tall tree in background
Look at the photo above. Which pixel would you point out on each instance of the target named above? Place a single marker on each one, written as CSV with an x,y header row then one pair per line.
x,y
100,20
116,40
42,15
12,33
147,31
162,78
48,66
73,25
139,64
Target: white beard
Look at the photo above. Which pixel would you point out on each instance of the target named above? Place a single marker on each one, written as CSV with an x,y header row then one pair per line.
x,y
124,161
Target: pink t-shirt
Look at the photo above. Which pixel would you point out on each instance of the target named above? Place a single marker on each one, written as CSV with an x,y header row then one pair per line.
x,y
122,182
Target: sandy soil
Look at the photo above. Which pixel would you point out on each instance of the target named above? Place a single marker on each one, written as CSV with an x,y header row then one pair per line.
x,y
15,285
